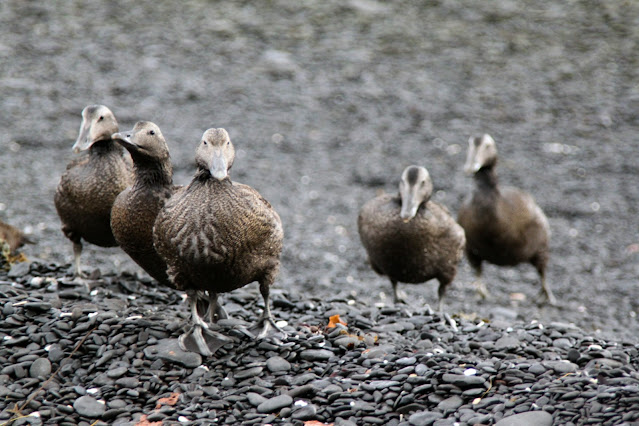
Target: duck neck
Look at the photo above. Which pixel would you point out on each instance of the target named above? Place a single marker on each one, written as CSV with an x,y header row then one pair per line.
x,y
486,178
153,173
105,147
204,176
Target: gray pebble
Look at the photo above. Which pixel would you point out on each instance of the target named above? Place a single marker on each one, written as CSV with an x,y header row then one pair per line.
x,y
307,412
41,367
424,418
531,418
274,404
452,403
277,363
88,406
316,355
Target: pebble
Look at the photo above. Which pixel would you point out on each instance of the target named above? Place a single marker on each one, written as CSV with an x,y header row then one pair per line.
x,y
424,418
274,404
422,371
41,367
88,406
316,355
531,418
277,363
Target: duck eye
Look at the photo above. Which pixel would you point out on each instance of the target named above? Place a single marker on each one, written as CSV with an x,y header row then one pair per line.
x,y
204,142
101,118
151,132
228,142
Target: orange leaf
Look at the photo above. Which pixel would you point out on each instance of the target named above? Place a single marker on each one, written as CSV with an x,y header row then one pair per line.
x,y
334,320
170,400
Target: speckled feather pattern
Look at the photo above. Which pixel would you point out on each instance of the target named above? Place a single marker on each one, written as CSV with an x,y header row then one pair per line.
x,y
87,191
132,219
219,236
504,226
428,246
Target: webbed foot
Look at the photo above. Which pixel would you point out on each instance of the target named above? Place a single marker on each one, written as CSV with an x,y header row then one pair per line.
x,y
202,340
265,327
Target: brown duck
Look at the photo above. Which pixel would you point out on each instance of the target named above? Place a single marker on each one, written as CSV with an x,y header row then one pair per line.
x,y
14,237
504,226
409,238
217,236
136,208
91,183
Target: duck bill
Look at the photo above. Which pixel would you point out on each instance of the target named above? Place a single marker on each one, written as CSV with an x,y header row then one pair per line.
x,y
124,139
83,142
472,167
409,207
219,166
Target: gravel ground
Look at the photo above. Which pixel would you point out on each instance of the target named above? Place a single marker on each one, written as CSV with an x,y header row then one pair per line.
x,y
326,104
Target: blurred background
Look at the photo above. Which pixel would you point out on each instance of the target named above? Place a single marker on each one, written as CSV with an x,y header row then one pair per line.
x,y
327,102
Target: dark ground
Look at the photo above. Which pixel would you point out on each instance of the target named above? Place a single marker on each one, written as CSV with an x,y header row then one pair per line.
x,y
327,102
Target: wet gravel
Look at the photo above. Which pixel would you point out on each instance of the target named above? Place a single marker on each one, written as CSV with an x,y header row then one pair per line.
x,y
327,103
105,351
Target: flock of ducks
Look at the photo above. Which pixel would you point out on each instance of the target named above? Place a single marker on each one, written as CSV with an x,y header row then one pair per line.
x,y
215,235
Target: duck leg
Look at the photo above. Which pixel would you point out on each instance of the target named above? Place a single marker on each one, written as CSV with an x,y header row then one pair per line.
x,y
77,252
398,296
545,295
199,338
479,285
265,323
216,310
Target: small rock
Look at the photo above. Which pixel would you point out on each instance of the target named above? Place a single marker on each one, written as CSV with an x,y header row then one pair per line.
x,y
277,363
424,418
88,406
531,418
452,403
316,355
274,404
41,367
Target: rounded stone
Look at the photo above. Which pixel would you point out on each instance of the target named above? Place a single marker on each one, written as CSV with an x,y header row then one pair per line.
x,y
277,363
41,367
530,418
274,404
88,406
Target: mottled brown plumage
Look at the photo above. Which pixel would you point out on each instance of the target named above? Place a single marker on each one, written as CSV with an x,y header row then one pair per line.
x,y
91,183
409,238
14,237
136,208
217,235
504,226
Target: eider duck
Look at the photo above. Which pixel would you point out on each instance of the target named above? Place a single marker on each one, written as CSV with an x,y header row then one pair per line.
x,y
136,208
409,238
216,236
13,237
89,186
504,226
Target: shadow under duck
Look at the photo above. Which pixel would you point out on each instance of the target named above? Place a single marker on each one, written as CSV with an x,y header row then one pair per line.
x,y
504,226
216,236
90,184
408,237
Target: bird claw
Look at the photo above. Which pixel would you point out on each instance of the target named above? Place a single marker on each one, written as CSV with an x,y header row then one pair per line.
x,y
264,328
202,340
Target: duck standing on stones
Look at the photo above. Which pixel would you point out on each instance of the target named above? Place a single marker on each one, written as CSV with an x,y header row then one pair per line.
x,y
217,236
89,186
504,226
409,238
136,208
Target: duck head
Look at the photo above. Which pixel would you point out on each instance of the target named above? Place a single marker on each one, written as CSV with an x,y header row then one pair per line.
x,y
98,123
482,152
415,188
215,153
145,140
